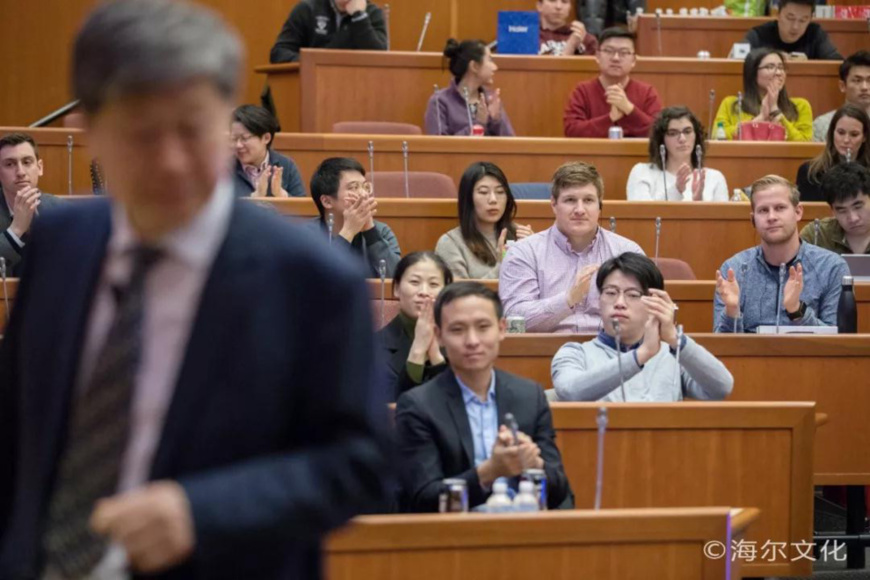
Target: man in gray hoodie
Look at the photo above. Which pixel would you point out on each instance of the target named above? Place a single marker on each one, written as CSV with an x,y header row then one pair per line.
x,y
655,362
784,280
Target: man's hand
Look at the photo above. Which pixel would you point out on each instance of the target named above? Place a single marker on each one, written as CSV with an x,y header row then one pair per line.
x,y
524,231
662,308
652,342
504,461
791,295
580,289
358,217
355,6
277,182
729,292
153,524
530,453
24,208
615,96
578,33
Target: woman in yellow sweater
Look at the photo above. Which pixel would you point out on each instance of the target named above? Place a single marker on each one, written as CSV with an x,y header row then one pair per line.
x,y
765,99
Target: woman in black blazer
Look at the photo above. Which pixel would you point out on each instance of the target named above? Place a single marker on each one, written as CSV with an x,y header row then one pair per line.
x,y
260,171
410,347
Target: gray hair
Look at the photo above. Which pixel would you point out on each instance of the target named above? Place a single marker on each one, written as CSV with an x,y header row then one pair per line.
x,y
130,46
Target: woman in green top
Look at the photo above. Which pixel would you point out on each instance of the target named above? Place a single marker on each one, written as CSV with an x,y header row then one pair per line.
x,y
410,347
766,100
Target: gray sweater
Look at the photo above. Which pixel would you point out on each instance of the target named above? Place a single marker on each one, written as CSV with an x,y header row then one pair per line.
x,y
463,263
589,371
760,287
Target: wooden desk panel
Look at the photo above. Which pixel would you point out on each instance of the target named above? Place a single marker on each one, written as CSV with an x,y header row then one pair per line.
x,y
830,370
286,94
700,454
411,76
523,159
685,227
684,36
608,544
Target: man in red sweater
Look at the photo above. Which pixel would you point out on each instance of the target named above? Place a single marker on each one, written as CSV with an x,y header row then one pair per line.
x,y
612,98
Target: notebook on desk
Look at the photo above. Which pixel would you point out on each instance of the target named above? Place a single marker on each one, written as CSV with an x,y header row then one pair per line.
x,y
859,266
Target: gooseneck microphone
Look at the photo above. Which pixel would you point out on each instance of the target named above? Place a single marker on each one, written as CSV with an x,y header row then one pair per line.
x,y
739,116
779,295
742,280
438,110
613,225
426,20
69,162
849,155
386,11
330,224
679,347
699,155
511,423
663,155
710,134
817,226
601,421
382,272
659,32
5,289
468,110
372,165
405,159
618,333
658,235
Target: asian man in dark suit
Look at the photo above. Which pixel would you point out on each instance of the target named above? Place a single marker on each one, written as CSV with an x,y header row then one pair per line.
x,y
163,408
453,426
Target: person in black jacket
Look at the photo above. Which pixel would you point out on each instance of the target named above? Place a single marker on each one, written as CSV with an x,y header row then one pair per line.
x,y
455,425
410,347
260,171
794,34
344,24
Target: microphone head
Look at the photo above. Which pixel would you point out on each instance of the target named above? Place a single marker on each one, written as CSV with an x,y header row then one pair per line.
x,y
662,151
658,223
371,147
427,18
404,147
330,220
436,88
382,268
616,328
2,266
601,417
849,155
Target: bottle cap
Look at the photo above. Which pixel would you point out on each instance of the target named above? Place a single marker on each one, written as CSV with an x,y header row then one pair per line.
x,y
527,487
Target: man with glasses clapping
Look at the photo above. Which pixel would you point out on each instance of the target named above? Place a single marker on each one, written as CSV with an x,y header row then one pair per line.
x,y
612,98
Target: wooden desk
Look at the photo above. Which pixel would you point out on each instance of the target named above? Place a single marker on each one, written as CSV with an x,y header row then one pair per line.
x,y
523,159
700,454
695,299
685,227
604,545
684,36
830,370
538,112
286,93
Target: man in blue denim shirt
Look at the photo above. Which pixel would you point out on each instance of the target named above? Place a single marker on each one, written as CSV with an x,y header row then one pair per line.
x,y
783,280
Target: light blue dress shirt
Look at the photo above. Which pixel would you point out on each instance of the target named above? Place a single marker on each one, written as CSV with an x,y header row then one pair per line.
x,y
482,418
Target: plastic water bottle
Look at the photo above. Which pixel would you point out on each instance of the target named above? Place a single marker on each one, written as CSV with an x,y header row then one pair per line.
x,y
526,500
847,311
499,501
720,131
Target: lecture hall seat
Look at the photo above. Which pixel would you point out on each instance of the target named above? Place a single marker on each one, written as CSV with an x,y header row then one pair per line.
x,y
421,184
673,269
376,128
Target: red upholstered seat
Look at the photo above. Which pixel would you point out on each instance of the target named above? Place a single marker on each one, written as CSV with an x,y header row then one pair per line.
x,y
420,184
673,269
376,128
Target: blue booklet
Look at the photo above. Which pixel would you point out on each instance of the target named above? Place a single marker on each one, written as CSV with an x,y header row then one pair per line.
x,y
518,32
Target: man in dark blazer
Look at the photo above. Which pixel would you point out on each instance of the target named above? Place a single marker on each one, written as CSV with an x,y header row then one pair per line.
x,y
163,408
454,427
21,200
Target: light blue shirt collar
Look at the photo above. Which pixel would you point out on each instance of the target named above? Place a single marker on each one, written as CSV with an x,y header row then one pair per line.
x,y
468,395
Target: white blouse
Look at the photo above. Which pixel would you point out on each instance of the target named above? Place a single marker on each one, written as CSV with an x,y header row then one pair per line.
x,y
645,183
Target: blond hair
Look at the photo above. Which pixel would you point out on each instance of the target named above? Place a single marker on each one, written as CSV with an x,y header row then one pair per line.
x,y
769,181
577,174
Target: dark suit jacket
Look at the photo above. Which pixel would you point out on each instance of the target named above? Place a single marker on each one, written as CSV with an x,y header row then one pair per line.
x,y
273,444
397,346
8,248
291,181
434,438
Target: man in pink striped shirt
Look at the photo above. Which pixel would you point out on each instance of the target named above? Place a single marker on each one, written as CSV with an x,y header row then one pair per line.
x,y
547,278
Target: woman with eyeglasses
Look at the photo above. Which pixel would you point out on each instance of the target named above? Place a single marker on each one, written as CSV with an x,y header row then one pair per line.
x,y
765,99
487,210
846,139
680,176
259,170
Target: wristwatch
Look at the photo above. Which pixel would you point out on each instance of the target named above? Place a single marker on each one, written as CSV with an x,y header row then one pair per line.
x,y
797,315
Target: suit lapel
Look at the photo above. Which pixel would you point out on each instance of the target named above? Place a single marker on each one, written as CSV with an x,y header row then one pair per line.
x,y
456,407
201,366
